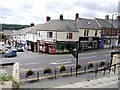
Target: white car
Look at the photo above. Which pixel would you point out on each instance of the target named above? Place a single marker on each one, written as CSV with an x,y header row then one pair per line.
x,y
13,48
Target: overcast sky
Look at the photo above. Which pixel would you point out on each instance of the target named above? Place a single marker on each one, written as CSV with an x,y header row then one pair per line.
x,y
28,11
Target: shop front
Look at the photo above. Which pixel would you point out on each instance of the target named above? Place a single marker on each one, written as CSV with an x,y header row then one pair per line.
x,y
86,43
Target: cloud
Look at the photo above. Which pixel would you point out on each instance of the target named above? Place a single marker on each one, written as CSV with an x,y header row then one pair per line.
x,y
27,11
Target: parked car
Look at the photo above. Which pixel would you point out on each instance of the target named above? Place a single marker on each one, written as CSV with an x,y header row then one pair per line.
x,y
10,53
20,49
13,48
2,51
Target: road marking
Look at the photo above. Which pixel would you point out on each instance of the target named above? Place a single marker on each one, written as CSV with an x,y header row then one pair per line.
x,y
88,57
24,69
29,63
60,62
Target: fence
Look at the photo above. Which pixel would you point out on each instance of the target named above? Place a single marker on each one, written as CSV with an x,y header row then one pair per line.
x,y
38,75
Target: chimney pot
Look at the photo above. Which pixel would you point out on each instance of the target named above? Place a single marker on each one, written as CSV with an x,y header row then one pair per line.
x,y
61,17
118,17
32,24
107,17
77,16
48,18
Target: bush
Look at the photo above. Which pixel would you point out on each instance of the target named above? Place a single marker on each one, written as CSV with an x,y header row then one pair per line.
x,y
78,66
62,68
29,73
90,65
47,70
101,63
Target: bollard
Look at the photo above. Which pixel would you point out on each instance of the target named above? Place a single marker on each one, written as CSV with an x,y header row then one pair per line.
x,y
37,75
55,73
104,71
114,68
96,70
71,71
85,69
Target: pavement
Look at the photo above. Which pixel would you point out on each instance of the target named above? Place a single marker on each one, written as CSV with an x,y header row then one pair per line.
x,y
81,81
109,81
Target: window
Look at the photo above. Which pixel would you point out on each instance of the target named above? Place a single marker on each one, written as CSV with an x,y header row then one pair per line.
x,y
39,33
33,36
49,34
96,33
69,36
86,32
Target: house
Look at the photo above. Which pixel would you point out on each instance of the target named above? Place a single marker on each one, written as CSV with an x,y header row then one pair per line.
x,y
32,38
57,36
19,37
89,34
116,33
107,33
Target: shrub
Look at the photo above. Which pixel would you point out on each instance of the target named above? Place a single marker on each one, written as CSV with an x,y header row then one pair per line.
x,y
47,70
29,73
62,68
78,66
101,63
90,65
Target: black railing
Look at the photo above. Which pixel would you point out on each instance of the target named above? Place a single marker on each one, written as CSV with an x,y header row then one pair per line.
x,y
38,75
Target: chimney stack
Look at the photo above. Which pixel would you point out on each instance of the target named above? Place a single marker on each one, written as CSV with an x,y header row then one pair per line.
x,y
48,18
77,16
32,24
118,17
61,17
107,17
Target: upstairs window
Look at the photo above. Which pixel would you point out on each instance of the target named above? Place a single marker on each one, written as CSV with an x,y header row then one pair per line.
x,y
96,33
69,36
86,32
49,34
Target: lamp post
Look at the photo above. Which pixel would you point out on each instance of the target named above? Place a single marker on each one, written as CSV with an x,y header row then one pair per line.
x,y
111,31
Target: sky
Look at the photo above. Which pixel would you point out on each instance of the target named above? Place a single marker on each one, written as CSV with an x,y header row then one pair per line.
x,y
35,11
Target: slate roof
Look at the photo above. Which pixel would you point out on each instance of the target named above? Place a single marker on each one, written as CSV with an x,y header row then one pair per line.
x,y
88,24
22,31
103,23
115,23
34,29
60,25
8,32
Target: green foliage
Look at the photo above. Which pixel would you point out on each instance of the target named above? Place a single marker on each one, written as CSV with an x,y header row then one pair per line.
x,y
78,66
29,73
4,78
47,70
101,63
1,36
62,68
90,65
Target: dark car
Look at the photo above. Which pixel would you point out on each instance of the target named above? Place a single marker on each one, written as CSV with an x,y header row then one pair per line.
x,y
10,53
20,49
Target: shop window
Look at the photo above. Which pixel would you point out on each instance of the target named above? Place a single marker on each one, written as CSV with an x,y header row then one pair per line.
x,y
49,34
69,36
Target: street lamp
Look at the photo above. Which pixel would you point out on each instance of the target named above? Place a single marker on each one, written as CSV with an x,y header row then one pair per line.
x,y
111,29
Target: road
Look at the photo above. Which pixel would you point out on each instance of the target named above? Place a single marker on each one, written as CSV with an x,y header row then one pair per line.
x,y
35,61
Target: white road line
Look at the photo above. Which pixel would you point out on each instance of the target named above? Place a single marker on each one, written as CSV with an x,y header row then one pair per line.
x,y
24,69
60,62
67,65
88,57
29,63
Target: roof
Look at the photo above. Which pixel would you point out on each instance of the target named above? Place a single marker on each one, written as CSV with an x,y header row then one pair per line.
x,y
115,22
60,25
103,23
22,31
8,32
34,29
87,24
